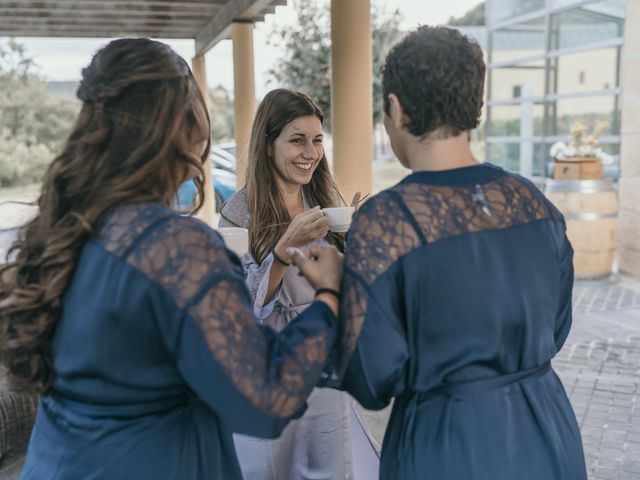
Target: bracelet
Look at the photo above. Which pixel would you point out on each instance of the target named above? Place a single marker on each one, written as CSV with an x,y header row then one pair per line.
x,y
279,260
330,291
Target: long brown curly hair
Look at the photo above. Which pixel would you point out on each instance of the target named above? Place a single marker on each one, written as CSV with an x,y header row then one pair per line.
x,y
141,121
269,215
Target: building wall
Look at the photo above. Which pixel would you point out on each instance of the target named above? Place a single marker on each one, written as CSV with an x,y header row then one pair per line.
x,y
630,150
579,72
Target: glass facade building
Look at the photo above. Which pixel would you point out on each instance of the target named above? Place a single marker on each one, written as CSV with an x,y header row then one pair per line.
x,y
551,63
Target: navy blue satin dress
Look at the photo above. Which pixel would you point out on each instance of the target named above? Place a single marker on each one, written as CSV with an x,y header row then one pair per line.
x,y
457,295
158,358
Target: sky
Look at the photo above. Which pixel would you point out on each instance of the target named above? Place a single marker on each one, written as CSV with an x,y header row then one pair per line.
x,y
63,58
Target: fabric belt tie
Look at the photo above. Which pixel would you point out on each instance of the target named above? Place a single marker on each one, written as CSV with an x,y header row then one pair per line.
x,y
412,399
116,410
474,386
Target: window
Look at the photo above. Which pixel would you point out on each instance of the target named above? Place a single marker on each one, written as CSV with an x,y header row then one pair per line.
x,y
590,111
511,120
503,9
528,76
586,25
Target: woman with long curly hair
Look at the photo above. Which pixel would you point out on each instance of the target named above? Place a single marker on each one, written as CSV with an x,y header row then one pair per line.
x,y
132,321
288,181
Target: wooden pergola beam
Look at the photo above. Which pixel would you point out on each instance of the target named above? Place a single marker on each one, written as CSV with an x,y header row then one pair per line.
x,y
205,21
133,33
110,20
100,3
201,13
235,10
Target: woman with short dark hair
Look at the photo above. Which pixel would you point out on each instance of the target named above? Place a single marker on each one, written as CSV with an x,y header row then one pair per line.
x,y
132,321
457,290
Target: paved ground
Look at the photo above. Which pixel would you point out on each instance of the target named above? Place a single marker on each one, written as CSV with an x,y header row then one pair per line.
x,y
600,367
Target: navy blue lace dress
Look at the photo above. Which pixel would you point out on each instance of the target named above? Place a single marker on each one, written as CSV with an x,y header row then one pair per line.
x,y
158,358
457,294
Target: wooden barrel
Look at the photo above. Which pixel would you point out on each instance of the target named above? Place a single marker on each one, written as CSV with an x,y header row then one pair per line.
x,y
590,208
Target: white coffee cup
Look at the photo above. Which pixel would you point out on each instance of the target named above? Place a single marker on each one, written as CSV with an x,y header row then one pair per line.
x,y
339,218
236,239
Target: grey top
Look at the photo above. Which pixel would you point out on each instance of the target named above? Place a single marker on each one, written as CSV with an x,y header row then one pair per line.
x,y
294,293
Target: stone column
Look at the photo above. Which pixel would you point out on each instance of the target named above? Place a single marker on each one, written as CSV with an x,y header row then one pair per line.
x,y
630,145
208,210
352,95
244,91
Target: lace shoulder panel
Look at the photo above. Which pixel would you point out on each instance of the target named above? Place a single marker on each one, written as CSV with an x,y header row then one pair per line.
x,y
444,211
189,261
409,215
553,212
183,255
192,264
125,225
382,231
176,252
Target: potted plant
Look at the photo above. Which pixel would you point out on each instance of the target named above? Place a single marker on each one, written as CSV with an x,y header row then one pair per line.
x,y
582,157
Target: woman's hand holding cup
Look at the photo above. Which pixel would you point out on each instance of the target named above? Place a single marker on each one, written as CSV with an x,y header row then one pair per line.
x,y
305,228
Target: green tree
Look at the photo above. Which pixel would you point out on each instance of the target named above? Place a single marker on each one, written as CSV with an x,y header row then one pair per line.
x,y
33,123
13,59
475,16
386,32
306,63
221,113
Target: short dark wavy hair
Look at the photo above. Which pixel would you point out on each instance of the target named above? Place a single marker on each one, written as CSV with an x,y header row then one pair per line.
x,y
438,75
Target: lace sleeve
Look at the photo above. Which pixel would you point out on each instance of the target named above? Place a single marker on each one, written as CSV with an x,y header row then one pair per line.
x,y
254,372
374,352
376,240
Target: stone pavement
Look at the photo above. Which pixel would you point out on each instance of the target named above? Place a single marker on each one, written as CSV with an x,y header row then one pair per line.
x,y
600,368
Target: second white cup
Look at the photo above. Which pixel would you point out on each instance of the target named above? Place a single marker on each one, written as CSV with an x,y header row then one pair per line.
x,y
235,238
339,218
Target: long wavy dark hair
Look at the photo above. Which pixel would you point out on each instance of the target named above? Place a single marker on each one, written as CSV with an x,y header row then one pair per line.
x,y
136,139
269,215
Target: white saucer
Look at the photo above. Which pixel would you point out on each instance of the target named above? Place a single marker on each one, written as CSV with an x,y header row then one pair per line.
x,y
339,228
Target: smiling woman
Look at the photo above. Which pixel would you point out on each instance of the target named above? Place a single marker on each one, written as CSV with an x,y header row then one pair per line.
x,y
288,180
287,167
297,152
